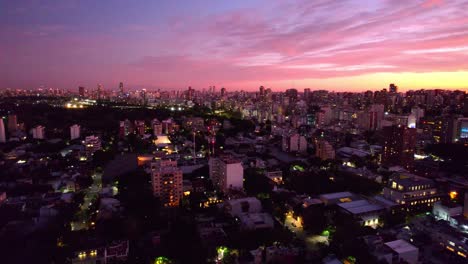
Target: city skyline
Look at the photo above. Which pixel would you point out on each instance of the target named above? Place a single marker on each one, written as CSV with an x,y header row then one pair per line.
x,y
341,46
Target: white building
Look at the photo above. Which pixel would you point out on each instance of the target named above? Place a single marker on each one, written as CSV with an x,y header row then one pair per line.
x,y
38,132
226,173
447,211
402,250
249,212
75,131
236,207
2,131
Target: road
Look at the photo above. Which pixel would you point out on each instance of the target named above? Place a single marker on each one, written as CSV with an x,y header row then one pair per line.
x,y
91,193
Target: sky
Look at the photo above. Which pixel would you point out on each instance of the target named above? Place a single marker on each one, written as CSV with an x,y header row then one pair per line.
x,y
340,45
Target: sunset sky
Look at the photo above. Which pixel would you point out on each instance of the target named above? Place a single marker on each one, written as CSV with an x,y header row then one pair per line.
x,y
238,44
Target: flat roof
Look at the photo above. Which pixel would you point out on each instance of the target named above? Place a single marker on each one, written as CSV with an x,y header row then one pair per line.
x,y
336,195
360,206
401,246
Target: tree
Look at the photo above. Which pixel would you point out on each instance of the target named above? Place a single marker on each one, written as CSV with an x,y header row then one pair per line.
x,y
256,183
314,219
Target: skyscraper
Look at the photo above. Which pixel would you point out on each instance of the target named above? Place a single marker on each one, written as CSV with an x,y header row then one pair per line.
x,y
2,131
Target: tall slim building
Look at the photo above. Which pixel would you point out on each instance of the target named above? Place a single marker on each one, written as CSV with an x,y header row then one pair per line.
x,y
166,180
75,132
2,131
121,88
99,91
307,94
393,88
399,145
12,123
140,127
223,92
125,128
157,127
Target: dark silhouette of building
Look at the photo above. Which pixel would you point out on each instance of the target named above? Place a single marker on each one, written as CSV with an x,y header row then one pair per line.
x,y
393,88
399,145
82,91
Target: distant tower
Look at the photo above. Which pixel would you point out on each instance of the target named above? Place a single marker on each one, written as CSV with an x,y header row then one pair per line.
x,y
12,123
121,88
2,131
99,91
223,91
262,90
81,91
393,88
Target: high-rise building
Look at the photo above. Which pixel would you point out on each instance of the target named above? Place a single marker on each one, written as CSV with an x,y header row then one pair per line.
x,y
294,143
324,117
2,131
307,94
292,95
92,144
226,173
166,179
12,123
75,131
223,92
81,91
140,127
393,88
324,150
369,120
169,126
399,145
38,132
461,130
121,88
157,127
99,91
190,94
125,128
261,91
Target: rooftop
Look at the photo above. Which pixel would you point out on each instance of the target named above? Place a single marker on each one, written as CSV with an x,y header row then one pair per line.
x,y
360,206
337,195
400,246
